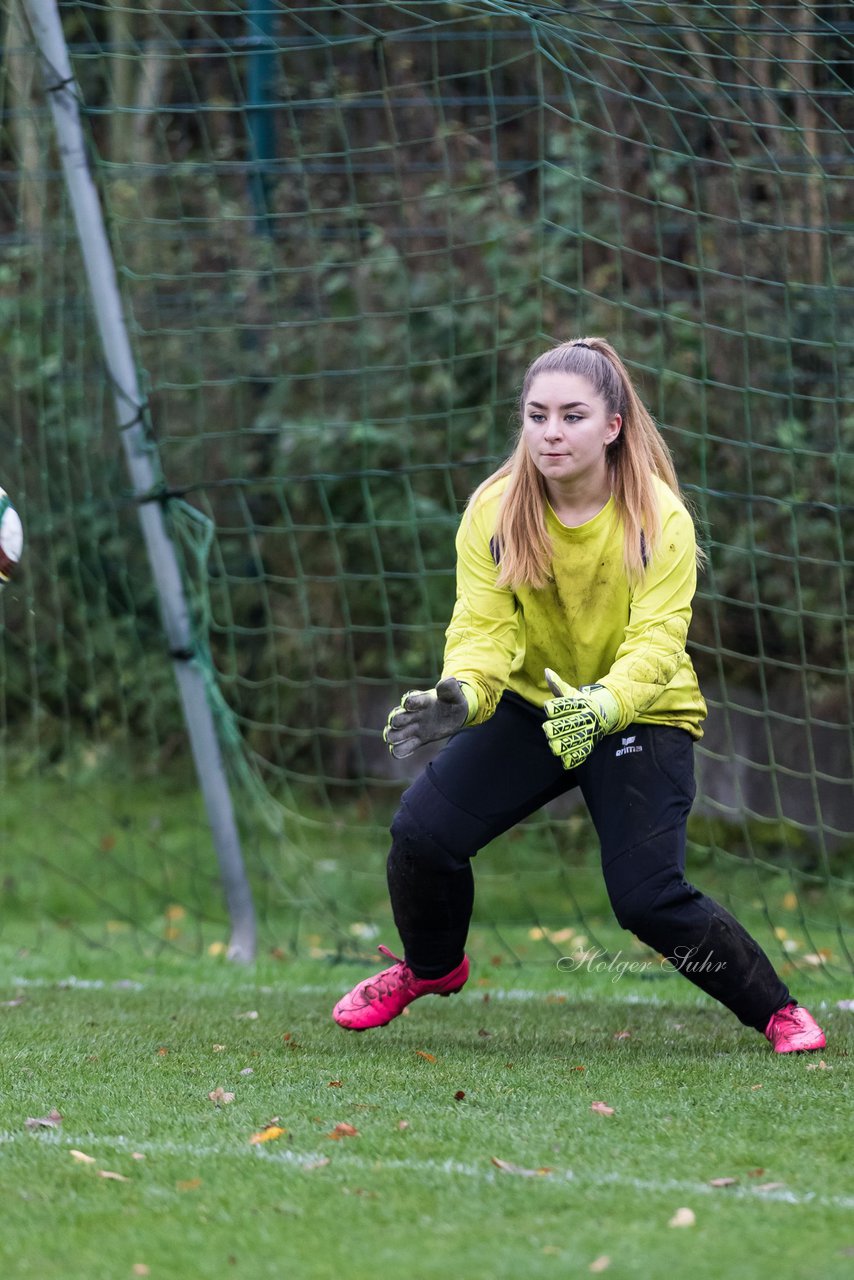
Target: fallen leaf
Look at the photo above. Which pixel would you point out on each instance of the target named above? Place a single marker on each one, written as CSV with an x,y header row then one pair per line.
x,y
601,1108
343,1131
428,1057
334,1084
506,1167
459,1095
683,1218
818,1066
51,1121
770,1186
755,1173
162,1051
754,1087
600,1264
484,1034
269,1134
113,1177
190,1184
219,1096
218,1048
578,1068
81,1157
722,1182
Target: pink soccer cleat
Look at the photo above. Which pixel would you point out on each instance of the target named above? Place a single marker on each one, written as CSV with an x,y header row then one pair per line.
x,y
793,1030
378,1000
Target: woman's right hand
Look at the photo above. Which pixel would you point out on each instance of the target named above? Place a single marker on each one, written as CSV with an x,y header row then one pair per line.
x,y
426,715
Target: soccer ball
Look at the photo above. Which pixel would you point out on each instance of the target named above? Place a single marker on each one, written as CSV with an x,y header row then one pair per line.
x,y
11,538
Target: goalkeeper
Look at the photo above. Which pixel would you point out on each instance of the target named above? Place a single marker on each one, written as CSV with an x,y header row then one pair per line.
x,y
565,666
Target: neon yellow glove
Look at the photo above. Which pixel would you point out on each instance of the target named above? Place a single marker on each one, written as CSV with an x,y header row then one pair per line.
x,y
578,719
425,715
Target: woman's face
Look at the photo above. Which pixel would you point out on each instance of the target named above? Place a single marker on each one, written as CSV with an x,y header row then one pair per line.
x,y
566,429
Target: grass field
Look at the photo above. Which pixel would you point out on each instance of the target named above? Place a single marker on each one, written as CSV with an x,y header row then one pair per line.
x,y
507,1071
477,1151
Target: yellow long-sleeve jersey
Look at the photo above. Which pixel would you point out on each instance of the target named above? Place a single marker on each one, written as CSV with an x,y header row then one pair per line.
x,y
588,623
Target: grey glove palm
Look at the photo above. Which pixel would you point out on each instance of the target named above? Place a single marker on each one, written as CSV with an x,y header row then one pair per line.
x,y
426,715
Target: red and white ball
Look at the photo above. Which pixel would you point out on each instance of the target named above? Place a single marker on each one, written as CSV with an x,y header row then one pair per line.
x,y
11,538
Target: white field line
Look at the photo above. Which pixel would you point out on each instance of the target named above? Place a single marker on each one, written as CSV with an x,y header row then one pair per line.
x,y
293,1161
683,994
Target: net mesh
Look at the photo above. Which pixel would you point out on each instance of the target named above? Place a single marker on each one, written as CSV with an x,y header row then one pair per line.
x,y
341,232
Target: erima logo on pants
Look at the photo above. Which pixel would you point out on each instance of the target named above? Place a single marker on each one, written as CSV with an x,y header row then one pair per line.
x,y
628,747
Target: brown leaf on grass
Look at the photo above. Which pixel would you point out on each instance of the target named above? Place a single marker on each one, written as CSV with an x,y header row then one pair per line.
x,y
722,1182
601,1263
506,1167
343,1131
81,1157
683,1218
484,1034
51,1121
334,1084
601,1108
428,1057
459,1095
162,1051
269,1133
219,1097
622,1035
755,1173
112,1177
189,1184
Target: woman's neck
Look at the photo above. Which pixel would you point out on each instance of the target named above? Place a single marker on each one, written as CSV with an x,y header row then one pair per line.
x,y
576,504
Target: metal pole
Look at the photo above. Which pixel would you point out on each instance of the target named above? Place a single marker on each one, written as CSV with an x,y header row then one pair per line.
x,y
101,276
260,117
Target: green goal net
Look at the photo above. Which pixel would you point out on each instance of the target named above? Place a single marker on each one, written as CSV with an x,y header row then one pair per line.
x,y
341,231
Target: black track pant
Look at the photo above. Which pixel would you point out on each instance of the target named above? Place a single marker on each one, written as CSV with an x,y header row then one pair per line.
x,y
638,786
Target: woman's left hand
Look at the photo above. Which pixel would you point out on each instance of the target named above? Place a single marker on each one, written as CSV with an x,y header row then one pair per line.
x,y
578,719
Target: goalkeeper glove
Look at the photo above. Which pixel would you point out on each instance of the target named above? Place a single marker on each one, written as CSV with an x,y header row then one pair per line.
x,y
425,715
578,719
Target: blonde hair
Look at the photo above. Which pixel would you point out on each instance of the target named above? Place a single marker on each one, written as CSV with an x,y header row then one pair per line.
x,y
522,543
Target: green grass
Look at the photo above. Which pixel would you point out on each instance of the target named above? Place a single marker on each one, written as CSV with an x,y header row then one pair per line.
x,y
115,991
695,1097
